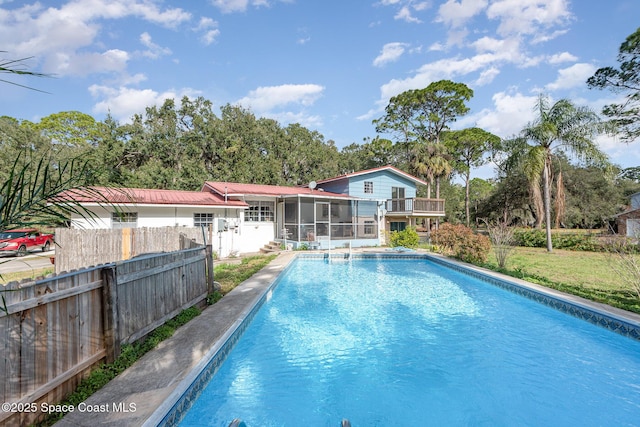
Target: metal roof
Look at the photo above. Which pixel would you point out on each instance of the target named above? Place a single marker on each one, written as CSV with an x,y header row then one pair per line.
x,y
378,169
234,189
141,196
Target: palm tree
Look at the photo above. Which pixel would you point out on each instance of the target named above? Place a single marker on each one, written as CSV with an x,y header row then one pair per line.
x,y
561,127
430,161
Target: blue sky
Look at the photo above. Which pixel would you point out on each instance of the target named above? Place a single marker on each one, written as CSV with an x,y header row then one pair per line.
x,y
330,65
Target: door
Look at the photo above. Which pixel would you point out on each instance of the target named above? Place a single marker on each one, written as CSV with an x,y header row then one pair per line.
x,y
633,228
322,219
397,199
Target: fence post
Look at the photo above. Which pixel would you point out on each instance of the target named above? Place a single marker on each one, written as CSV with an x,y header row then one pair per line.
x,y
110,312
209,266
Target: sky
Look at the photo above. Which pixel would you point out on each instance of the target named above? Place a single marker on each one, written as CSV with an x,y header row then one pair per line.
x,y
330,65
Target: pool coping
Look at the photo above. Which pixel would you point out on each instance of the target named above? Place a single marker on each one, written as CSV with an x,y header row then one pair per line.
x,y
163,383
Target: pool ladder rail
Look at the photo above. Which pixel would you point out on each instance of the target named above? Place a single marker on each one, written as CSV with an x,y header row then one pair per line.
x,y
237,422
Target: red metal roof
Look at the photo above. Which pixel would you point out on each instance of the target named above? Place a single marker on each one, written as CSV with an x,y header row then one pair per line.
x,y
235,189
381,168
139,196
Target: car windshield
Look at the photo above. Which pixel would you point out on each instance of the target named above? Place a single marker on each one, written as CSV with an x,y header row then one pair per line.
x,y
12,234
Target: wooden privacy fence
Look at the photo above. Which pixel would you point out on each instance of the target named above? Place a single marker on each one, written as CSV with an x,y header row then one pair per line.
x,y
54,330
82,248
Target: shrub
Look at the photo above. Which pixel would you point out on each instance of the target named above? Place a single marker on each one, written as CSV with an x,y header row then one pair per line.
x,y
502,240
461,242
536,238
407,238
530,237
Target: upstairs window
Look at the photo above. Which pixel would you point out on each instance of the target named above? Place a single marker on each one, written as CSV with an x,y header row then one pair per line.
x,y
368,187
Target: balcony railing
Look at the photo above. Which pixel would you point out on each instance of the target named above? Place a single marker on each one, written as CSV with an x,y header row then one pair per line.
x,y
415,206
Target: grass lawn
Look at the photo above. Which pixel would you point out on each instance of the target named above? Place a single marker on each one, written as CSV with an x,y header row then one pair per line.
x,y
578,268
30,274
231,275
590,275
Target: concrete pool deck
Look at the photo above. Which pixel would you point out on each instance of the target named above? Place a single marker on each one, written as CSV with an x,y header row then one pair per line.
x,y
153,382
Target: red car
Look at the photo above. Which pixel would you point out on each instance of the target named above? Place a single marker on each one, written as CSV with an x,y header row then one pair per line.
x,y
19,242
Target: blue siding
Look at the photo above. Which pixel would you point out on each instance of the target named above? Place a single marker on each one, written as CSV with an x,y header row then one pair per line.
x,y
382,180
382,183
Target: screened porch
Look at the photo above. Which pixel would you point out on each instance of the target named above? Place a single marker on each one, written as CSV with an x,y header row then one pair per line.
x,y
310,220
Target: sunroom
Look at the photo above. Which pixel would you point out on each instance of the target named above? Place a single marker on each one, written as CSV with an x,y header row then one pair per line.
x,y
328,222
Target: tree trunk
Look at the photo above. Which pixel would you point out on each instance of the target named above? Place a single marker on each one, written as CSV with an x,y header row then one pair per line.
x,y
538,204
466,198
546,177
437,197
559,201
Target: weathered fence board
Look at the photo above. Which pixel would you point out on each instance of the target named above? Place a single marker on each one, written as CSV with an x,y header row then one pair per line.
x,y
77,248
56,329
151,288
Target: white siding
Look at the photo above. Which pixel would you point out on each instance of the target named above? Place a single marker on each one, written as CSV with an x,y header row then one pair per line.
x,y
236,239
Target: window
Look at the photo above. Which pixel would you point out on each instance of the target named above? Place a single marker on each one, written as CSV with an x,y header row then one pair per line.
x,y
368,227
368,187
124,219
397,226
202,219
260,212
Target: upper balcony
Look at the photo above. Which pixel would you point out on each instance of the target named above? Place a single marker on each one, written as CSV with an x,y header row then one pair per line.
x,y
416,206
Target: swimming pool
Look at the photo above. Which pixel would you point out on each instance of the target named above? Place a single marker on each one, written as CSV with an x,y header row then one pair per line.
x,y
411,342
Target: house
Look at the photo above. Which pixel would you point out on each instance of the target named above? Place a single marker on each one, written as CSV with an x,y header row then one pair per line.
x,y
629,220
394,190
354,209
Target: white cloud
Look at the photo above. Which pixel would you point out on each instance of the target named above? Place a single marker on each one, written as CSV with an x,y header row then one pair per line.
x,y
559,58
404,14
83,64
154,51
209,29
487,76
511,113
210,36
406,9
304,37
230,6
390,52
456,14
123,102
306,120
62,36
575,75
528,16
542,37
264,99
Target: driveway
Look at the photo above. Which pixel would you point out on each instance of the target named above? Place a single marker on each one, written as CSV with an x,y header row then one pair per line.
x,y
33,261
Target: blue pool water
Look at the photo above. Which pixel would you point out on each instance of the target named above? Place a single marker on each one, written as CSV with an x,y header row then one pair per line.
x,y
413,343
